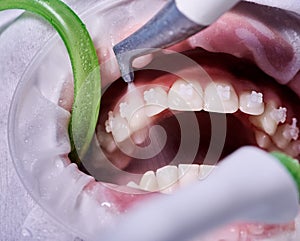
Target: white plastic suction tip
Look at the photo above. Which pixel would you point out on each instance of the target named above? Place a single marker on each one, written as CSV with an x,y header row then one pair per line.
x,y
249,185
204,12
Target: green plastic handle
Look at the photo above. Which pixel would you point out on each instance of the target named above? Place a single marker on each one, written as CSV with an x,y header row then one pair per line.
x,y
85,66
291,164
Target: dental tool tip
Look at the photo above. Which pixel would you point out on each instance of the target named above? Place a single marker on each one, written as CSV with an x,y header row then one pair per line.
x,y
128,78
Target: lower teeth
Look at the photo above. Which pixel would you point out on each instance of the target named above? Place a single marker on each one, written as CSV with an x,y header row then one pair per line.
x,y
169,178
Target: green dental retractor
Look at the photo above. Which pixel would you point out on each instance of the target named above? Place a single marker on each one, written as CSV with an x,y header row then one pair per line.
x,y
85,66
291,164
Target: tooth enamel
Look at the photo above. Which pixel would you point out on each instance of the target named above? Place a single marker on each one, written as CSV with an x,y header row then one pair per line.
x,y
106,141
187,173
205,170
279,115
293,149
148,182
252,103
221,98
292,132
109,122
285,134
270,119
118,126
185,96
156,101
133,185
167,178
132,109
262,139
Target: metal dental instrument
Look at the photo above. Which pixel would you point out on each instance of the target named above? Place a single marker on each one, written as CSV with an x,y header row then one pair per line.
x,y
249,185
178,20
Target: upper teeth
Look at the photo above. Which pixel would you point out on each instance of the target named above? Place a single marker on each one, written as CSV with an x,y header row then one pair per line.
x,y
185,96
270,119
136,109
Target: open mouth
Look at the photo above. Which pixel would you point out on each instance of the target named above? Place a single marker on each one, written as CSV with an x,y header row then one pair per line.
x,y
242,75
245,94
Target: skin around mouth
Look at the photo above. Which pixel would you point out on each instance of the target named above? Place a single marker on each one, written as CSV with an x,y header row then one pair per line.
x,y
258,111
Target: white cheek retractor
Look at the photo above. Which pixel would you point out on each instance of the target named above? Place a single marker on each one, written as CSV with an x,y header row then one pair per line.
x,y
178,20
249,185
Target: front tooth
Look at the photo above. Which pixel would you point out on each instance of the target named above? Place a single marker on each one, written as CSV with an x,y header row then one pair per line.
x,y
262,139
156,101
220,98
185,96
167,178
205,170
187,173
270,119
252,103
285,134
148,182
132,109
118,126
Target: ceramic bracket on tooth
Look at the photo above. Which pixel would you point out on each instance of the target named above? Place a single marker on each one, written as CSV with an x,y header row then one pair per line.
x,y
109,122
133,111
224,92
279,115
185,96
156,101
292,131
255,98
220,98
269,120
124,110
252,103
118,126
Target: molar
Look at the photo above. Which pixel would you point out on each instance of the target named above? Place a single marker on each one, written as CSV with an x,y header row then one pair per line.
x,y
221,98
270,119
252,103
149,182
156,101
185,96
118,126
167,178
187,173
